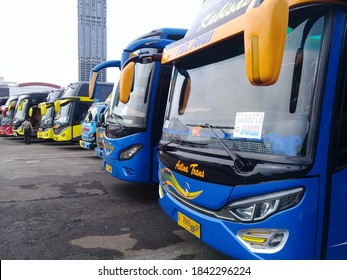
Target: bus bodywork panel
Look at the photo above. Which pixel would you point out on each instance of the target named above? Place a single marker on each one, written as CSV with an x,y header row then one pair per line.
x,y
226,235
70,133
135,169
99,149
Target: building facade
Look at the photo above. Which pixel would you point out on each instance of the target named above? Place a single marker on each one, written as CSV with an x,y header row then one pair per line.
x,y
92,37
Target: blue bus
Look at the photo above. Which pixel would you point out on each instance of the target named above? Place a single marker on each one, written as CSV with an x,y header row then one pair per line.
x,y
98,107
134,120
253,154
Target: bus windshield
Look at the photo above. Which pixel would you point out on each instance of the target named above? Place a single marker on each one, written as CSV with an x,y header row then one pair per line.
x,y
64,114
5,120
22,109
47,119
214,106
92,113
134,113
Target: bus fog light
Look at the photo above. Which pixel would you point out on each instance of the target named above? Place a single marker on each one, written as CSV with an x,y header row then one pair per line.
x,y
129,152
264,240
257,208
276,239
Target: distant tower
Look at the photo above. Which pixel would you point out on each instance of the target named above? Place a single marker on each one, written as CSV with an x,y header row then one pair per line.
x,y
92,37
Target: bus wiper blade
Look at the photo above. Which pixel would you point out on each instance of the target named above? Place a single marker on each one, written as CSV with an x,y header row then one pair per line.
x,y
116,118
192,143
221,127
240,164
180,142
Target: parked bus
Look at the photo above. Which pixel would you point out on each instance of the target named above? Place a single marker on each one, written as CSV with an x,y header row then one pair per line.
x,y
71,110
7,113
28,107
92,118
89,123
100,129
45,130
134,121
253,153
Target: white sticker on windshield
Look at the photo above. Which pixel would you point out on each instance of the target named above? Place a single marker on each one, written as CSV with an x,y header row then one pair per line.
x,y
166,124
249,124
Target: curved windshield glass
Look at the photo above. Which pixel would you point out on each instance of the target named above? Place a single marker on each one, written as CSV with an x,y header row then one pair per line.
x,y
134,113
5,121
10,114
63,114
76,90
22,109
92,114
212,98
47,119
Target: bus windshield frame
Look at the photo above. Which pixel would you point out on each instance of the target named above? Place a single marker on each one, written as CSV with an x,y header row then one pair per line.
x,y
21,114
134,114
47,119
220,110
64,114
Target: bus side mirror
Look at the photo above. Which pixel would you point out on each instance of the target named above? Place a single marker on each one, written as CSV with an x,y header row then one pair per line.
x,y
20,106
56,106
90,116
9,106
101,120
265,37
92,83
43,109
126,82
184,96
30,112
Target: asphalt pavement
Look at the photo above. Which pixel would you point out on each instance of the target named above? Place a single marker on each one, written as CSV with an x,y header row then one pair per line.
x,y
58,203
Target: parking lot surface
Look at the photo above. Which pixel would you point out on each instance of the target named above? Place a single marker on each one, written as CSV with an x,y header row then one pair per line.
x,y
57,202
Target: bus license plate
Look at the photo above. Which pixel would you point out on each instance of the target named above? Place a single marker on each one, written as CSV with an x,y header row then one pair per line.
x,y
188,224
108,168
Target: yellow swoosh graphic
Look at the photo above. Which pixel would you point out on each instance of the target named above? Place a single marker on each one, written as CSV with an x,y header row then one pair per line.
x,y
169,179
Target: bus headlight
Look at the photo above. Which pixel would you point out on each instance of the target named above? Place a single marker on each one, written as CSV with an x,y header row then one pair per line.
x,y
259,208
129,152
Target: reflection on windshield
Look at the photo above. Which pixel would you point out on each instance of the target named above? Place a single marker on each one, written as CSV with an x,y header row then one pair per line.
x,y
5,121
21,114
47,119
247,118
71,90
91,114
134,113
63,114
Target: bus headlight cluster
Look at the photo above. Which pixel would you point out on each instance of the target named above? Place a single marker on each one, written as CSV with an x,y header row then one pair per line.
x,y
129,152
258,208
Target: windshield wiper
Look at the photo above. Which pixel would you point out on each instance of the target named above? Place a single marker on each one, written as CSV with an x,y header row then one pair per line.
x,y
121,130
116,117
181,142
240,164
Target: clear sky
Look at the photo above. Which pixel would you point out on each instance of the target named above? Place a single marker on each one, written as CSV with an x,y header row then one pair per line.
x,y
38,38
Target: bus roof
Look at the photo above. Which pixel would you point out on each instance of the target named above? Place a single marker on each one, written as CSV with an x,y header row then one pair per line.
x,y
219,20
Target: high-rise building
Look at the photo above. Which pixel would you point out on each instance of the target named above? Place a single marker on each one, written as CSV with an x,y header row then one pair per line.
x,y
92,37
